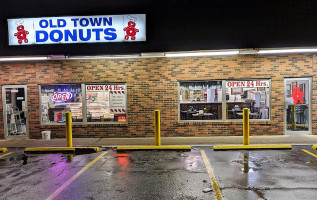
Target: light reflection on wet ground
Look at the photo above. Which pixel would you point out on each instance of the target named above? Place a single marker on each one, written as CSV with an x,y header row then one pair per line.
x,y
268,174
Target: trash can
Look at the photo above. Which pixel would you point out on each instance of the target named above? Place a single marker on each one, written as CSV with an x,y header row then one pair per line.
x,y
46,135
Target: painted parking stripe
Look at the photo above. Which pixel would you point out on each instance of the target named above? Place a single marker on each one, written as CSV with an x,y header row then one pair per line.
x,y
310,153
67,183
6,154
212,177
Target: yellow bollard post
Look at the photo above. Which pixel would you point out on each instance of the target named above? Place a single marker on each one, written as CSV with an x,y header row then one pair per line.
x,y
157,127
246,126
69,134
293,117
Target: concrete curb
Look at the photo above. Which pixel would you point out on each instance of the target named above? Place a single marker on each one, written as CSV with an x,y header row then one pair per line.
x,y
253,147
3,150
147,148
43,150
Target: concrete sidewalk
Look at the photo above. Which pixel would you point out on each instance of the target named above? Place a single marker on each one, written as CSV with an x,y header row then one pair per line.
x,y
113,142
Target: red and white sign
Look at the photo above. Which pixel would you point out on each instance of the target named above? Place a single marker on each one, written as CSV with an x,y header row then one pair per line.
x,y
101,88
117,102
247,84
122,118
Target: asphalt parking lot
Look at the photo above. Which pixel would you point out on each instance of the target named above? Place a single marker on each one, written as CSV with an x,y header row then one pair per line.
x,y
264,174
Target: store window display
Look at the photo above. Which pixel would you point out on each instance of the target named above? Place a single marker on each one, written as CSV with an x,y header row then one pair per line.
x,y
106,102
56,100
201,100
103,103
206,100
251,94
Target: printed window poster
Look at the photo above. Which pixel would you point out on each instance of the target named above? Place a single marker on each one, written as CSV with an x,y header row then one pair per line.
x,y
122,118
117,102
45,99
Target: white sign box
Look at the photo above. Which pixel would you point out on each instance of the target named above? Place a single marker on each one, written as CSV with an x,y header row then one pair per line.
x,y
77,29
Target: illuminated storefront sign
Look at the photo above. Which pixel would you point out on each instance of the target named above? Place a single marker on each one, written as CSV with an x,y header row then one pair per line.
x,y
77,29
59,97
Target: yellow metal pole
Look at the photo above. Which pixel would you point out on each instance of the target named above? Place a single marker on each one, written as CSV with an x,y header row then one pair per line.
x,y
157,127
246,140
69,135
293,117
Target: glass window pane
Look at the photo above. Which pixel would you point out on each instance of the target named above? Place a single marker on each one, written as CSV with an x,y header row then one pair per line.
x,y
59,99
252,94
201,100
106,103
297,113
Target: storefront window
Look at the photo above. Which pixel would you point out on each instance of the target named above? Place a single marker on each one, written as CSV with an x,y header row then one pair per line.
x,y
252,94
57,100
106,103
297,104
201,100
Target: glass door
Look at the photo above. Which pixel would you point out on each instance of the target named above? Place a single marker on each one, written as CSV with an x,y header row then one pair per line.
x,y
14,98
297,97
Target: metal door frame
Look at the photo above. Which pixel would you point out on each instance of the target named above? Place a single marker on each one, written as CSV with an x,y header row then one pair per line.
x,y
309,132
4,106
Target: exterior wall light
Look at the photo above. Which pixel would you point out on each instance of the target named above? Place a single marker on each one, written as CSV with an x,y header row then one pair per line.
x,y
201,53
10,59
100,57
276,51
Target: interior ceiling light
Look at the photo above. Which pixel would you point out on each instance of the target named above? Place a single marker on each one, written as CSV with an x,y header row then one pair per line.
x,y
201,53
4,59
274,51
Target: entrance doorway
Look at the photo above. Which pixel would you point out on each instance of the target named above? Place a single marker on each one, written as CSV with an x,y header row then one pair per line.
x,y
297,97
15,115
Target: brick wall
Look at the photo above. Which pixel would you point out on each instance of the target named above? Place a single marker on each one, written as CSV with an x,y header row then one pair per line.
x,y
152,84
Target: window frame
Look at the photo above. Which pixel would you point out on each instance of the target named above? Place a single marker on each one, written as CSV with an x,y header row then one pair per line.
x,y
84,103
109,122
224,101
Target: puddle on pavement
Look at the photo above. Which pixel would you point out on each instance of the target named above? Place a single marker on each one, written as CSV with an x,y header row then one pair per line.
x,y
24,159
248,166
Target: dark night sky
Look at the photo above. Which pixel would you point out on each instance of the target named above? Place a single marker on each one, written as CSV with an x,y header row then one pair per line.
x,y
177,25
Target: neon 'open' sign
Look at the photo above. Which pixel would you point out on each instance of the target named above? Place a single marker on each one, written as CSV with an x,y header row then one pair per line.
x,y
60,97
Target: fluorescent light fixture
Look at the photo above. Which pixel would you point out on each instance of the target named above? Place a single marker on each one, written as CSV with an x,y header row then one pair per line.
x,y
104,57
152,55
248,51
8,59
275,51
201,53
57,57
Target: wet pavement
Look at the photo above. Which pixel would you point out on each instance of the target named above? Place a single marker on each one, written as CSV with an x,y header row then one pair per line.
x,y
265,174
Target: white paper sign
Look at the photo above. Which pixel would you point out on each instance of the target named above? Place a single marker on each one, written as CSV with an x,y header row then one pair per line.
x,y
77,29
211,95
117,102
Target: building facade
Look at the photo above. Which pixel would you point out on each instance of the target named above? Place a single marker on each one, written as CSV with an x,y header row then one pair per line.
x,y
197,96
